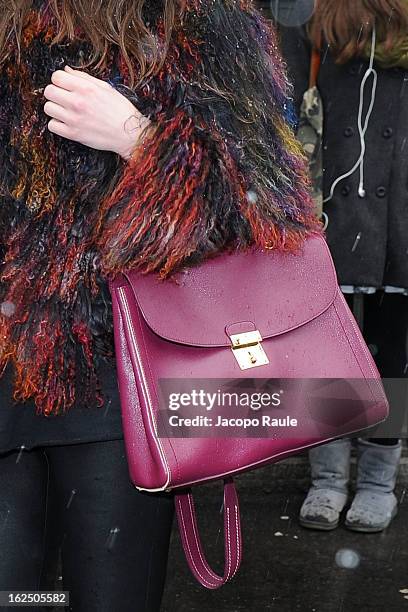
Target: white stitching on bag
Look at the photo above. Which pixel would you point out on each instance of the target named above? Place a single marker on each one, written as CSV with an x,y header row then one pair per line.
x,y
149,400
196,537
237,535
228,535
189,549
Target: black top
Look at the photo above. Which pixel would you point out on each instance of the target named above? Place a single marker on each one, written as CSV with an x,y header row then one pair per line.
x,y
21,426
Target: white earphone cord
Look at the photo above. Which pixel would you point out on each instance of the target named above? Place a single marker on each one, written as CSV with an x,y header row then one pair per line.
x,y
361,129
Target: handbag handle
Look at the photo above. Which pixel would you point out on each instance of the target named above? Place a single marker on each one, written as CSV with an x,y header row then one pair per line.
x,y
191,541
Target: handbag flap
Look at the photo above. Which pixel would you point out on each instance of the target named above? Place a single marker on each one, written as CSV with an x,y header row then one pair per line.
x,y
270,291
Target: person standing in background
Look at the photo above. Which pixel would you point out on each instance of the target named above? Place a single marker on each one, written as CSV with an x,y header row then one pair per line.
x,y
363,82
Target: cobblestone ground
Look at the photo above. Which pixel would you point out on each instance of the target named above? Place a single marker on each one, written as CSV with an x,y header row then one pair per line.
x,y
287,568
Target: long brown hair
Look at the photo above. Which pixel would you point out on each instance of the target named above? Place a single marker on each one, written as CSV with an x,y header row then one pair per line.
x,y
104,22
346,25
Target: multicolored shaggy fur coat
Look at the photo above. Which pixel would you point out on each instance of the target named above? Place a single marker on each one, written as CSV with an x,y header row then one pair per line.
x,y
220,172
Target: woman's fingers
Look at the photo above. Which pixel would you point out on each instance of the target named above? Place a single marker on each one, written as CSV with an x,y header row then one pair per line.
x,y
56,111
75,80
69,91
59,128
59,96
88,77
63,79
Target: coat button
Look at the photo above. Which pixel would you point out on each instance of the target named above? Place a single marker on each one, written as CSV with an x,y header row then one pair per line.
x,y
381,191
345,190
387,132
349,131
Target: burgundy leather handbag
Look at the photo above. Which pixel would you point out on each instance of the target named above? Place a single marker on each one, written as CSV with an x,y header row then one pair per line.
x,y
254,314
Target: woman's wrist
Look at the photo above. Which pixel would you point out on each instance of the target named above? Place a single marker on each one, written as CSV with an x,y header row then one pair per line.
x,y
131,136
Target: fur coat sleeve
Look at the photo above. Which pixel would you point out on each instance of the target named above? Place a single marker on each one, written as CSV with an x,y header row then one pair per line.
x,y
220,168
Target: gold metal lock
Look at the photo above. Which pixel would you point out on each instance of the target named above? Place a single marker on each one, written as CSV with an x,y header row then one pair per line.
x,y
247,350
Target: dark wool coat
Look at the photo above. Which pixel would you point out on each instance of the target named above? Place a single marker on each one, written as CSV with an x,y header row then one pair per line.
x,y
368,236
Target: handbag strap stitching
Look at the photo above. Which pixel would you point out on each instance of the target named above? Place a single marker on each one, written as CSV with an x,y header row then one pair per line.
x,y
238,538
192,543
196,537
187,547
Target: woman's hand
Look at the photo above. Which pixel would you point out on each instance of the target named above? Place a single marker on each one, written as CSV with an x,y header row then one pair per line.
x,y
90,111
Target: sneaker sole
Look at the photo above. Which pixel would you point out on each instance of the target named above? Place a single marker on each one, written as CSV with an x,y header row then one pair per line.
x,y
317,525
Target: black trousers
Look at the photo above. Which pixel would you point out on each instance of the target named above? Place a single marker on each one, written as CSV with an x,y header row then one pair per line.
x,y
383,319
78,500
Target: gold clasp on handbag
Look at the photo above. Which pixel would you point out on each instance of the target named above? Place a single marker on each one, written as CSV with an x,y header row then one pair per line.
x,y
247,350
